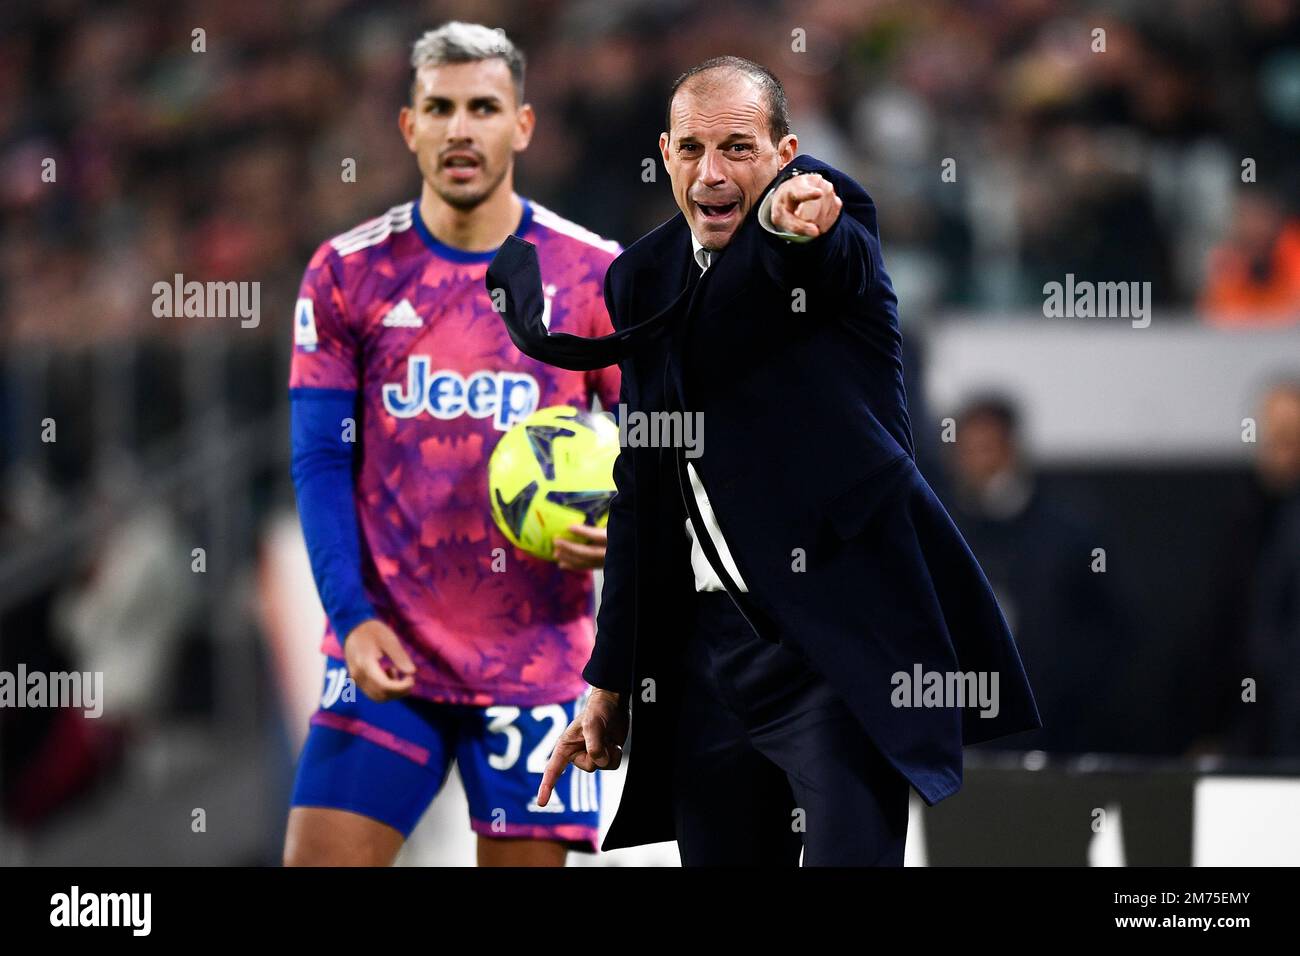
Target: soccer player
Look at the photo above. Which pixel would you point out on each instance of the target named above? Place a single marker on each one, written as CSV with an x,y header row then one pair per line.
x,y
403,379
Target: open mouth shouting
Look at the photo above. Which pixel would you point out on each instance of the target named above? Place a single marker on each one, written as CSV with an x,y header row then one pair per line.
x,y
718,213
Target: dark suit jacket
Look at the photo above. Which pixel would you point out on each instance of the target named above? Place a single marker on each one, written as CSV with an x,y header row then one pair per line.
x,y
849,558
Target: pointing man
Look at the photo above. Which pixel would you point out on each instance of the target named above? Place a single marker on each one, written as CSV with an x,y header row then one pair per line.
x,y
764,602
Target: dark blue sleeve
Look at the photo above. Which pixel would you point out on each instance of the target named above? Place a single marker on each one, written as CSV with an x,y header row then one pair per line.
x,y
610,664
846,258
322,477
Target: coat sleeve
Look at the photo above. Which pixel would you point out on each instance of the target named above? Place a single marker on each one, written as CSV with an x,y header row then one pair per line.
x,y
610,665
602,382
843,260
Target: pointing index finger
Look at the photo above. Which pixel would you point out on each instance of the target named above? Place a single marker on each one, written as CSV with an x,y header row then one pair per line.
x,y
554,768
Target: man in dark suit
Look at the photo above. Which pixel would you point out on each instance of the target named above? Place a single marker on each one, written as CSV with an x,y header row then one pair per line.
x,y
790,622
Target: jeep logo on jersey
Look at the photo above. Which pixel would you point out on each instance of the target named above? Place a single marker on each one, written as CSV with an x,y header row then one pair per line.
x,y
505,397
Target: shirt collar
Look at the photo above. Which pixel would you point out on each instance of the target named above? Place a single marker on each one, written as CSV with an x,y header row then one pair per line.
x,y
451,253
702,255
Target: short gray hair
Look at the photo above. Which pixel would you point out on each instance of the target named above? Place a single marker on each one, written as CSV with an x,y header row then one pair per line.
x,y
458,42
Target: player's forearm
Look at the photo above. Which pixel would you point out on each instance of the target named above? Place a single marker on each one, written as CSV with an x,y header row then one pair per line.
x,y
322,478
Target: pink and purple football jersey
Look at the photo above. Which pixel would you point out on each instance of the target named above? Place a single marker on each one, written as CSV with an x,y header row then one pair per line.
x,y
404,320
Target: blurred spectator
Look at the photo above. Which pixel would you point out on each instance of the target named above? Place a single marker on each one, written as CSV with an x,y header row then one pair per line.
x,y
1038,559
1273,652
50,757
1254,277
114,622
1257,618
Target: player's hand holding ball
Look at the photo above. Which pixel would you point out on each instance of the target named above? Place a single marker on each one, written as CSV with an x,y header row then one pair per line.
x,y
582,556
594,741
378,662
805,205
547,471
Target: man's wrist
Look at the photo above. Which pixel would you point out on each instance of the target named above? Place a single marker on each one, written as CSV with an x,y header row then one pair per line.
x,y
765,220
765,217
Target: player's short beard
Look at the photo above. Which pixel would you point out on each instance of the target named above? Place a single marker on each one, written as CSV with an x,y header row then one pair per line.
x,y
465,202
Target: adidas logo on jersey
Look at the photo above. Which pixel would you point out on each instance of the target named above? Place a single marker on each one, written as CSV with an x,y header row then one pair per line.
x,y
403,316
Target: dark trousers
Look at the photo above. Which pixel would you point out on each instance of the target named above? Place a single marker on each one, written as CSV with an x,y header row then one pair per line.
x,y
770,761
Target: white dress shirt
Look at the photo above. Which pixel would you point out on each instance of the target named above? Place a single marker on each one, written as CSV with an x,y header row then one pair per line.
x,y
706,579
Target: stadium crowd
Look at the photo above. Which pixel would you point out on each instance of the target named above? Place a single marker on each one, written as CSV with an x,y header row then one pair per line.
x,y
226,163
